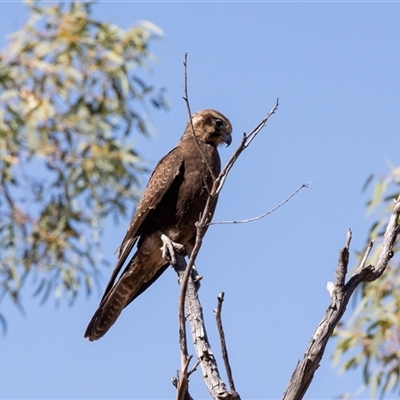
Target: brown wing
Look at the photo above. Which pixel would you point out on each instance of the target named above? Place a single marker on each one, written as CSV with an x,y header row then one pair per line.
x,y
160,181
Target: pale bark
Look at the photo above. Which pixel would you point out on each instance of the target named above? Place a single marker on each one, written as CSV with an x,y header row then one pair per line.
x,y
340,296
204,353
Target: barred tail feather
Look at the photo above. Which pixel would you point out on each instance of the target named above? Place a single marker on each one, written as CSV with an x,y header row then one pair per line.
x,y
133,282
108,312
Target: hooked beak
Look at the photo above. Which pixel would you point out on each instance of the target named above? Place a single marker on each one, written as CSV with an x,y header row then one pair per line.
x,y
227,138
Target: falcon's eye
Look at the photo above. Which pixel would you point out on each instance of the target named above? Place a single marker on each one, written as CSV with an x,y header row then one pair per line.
x,y
219,123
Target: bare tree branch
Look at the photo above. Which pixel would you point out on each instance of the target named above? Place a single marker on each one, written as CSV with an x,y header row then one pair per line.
x,y
223,342
245,221
205,355
246,140
340,296
219,391
182,383
186,98
187,396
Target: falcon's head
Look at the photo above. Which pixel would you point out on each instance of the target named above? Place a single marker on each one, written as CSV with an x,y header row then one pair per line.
x,y
211,127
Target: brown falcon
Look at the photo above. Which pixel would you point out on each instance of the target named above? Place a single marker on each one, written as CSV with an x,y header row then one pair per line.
x,y
174,198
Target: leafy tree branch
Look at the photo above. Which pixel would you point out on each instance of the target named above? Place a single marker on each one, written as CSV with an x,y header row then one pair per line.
x,y
71,94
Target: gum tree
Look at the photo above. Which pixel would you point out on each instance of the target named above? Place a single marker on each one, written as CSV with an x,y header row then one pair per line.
x,y
71,96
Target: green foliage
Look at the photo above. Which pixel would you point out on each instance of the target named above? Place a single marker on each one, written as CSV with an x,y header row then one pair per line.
x,y
371,338
70,95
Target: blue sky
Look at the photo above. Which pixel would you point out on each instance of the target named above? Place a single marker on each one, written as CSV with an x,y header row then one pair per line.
x,y
335,67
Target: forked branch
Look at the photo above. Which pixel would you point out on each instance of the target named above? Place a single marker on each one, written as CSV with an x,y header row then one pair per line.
x,y
340,295
206,359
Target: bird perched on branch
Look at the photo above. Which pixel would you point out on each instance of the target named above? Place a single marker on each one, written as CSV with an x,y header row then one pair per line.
x,y
172,202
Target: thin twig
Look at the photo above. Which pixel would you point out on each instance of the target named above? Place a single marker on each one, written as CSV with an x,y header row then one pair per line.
x,y
182,385
186,98
245,221
365,257
223,342
181,266
243,145
194,368
257,129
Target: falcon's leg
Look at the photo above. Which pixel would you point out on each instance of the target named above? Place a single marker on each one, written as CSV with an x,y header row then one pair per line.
x,y
168,248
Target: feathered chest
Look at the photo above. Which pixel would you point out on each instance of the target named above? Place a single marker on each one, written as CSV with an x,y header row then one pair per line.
x,y
198,172
186,198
